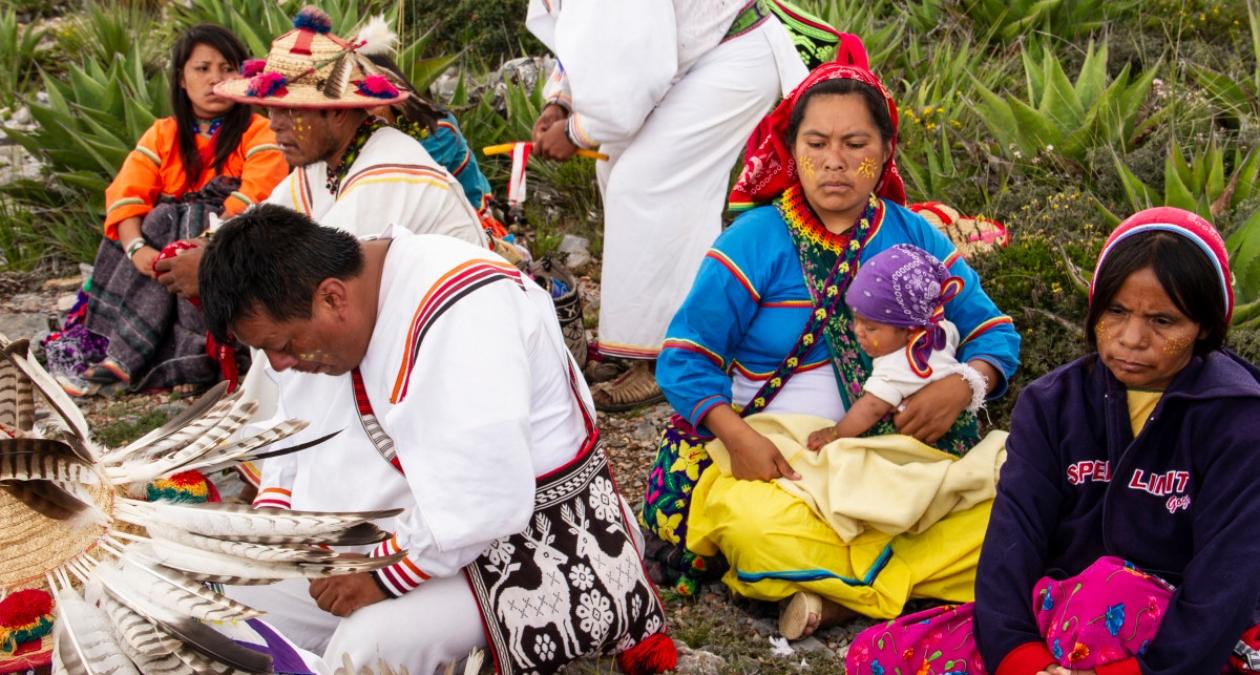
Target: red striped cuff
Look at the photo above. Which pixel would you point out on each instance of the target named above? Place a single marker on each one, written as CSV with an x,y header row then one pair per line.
x,y
273,498
1026,659
1128,666
402,576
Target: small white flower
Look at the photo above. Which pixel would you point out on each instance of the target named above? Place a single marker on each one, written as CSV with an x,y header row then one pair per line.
x,y
595,612
500,552
582,577
545,647
604,500
1049,148
653,626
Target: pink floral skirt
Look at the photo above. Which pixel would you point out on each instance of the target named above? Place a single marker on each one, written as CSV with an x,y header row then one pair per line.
x,y
1106,613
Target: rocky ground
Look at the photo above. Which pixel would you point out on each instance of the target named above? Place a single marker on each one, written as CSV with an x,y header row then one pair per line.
x,y
715,632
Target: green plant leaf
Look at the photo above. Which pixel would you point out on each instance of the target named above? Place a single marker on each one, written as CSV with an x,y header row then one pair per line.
x,y
1176,193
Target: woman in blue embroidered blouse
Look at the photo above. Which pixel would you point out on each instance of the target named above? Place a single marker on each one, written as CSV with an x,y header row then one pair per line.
x,y
824,159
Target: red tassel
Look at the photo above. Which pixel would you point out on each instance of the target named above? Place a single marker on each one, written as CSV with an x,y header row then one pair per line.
x,y
656,654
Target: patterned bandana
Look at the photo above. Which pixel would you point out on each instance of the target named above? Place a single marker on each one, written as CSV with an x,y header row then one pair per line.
x,y
768,165
906,286
1179,222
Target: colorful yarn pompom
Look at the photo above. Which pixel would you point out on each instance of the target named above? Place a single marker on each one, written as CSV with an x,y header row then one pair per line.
x,y
656,654
24,616
267,85
313,18
252,67
188,487
376,86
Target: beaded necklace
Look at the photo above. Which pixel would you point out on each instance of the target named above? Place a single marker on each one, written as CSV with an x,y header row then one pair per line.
x,y
215,123
361,135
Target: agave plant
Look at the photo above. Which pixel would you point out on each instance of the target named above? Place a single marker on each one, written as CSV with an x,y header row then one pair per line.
x,y
1066,119
108,31
934,113
93,118
1010,19
18,53
1202,184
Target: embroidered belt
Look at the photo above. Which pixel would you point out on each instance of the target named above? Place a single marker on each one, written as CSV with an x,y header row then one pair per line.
x,y
750,17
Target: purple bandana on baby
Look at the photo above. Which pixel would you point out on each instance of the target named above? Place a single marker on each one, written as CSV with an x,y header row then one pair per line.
x,y
906,286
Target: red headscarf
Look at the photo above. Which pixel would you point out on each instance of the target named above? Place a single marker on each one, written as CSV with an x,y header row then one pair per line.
x,y
768,165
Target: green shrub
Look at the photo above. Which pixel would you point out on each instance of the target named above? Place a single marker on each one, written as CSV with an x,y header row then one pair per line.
x,y
492,32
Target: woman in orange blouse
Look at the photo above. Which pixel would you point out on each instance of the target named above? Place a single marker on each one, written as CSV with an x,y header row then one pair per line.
x,y
212,159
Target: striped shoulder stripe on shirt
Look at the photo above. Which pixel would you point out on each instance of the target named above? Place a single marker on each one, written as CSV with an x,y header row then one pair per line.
x,y
396,173
449,289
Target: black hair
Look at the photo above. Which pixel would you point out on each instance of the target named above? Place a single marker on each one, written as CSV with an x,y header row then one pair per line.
x,y
874,100
235,120
1184,271
271,259
415,108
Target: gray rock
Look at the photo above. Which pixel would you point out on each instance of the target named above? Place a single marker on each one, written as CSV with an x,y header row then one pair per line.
x,y
698,661
23,325
576,250
646,430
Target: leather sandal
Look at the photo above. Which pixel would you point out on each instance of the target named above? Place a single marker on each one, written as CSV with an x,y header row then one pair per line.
x,y
801,617
634,388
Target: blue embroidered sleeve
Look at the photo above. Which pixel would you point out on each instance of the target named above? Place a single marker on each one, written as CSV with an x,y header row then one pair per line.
x,y
711,324
985,332
449,148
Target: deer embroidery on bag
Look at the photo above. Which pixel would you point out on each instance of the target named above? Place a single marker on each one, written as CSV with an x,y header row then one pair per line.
x,y
548,604
619,574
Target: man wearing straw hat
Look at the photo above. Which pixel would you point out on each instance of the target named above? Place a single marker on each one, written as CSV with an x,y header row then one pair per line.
x,y
350,170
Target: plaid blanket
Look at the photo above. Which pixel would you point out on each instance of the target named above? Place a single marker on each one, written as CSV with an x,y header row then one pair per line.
x,y
159,337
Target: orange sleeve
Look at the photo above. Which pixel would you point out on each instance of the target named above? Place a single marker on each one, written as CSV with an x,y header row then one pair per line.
x,y
138,184
264,167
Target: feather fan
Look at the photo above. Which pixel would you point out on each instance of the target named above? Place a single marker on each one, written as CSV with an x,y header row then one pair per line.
x,y
149,608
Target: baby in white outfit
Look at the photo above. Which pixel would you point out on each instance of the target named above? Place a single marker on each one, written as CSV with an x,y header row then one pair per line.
x,y
897,300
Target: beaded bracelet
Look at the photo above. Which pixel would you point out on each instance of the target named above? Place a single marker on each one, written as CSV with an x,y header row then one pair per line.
x,y
133,246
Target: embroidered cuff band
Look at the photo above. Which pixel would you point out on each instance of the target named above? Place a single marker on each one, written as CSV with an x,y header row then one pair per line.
x,y
979,386
402,576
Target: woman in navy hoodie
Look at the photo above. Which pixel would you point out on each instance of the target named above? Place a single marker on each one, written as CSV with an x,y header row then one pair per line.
x,y
1125,537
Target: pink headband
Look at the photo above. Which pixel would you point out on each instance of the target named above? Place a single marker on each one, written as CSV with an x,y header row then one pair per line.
x,y
1179,222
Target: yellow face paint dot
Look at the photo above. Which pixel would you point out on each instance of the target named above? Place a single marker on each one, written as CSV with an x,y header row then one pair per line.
x,y
867,168
807,167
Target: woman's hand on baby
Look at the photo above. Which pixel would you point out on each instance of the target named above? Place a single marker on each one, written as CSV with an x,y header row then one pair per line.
x,y
928,414
820,438
755,457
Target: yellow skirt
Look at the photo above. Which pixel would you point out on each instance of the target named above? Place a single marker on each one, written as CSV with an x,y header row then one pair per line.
x,y
776,546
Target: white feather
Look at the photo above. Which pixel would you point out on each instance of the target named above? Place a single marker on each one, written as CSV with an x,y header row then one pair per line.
x,y
232,520
85,640
377,37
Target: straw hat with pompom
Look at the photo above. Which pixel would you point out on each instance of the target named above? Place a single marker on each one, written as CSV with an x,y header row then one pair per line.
x,y
310,68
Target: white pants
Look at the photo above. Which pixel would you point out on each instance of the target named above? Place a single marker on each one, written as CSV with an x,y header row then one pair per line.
x,y
665,190
422,631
